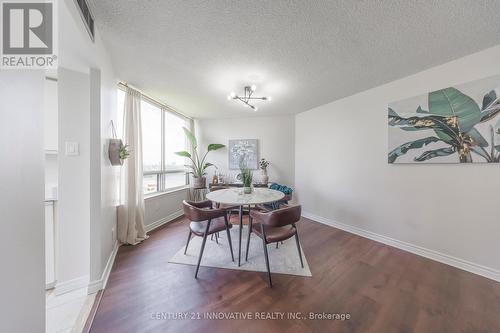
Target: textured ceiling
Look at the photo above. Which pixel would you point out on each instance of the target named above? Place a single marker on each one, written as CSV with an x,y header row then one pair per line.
x,y
191,54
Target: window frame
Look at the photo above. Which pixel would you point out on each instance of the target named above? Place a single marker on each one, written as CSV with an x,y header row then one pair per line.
x,y
161,174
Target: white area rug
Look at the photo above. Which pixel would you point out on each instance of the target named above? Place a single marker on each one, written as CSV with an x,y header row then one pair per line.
x,y
282,260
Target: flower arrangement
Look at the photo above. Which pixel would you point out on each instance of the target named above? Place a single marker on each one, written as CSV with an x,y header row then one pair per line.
x,y
263,163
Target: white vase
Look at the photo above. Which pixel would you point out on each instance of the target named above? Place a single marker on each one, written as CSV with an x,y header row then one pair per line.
x,y
264,178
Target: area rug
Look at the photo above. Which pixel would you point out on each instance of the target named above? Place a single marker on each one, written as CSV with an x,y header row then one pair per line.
x,y
282,260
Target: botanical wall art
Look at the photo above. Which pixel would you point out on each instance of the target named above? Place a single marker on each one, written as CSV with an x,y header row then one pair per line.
x,y
243,151
459,124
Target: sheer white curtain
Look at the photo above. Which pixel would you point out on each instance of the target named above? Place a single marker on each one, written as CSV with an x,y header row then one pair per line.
x,y
131,211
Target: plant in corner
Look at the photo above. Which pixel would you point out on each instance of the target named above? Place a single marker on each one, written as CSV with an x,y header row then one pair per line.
x,y
263,164
198,165
245,176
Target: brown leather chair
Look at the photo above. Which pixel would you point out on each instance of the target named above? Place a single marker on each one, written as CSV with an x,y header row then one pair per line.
x,y
205,220
275,226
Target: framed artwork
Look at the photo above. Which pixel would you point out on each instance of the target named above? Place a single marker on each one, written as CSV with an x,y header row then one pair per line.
x,y
459,124
243,151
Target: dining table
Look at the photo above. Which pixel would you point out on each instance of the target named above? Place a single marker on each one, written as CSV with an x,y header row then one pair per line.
x,y
237,197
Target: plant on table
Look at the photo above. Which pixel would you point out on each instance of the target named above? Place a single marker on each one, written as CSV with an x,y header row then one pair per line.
x,y
245,176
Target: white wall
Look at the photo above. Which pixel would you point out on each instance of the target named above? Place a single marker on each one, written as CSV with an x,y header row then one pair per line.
x,y
50,137
22,221
73,260
95,174
276,137
79,53
451,209
163,207
50,115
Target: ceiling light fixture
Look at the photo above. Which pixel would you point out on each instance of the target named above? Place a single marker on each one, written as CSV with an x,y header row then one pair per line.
x,y
249,90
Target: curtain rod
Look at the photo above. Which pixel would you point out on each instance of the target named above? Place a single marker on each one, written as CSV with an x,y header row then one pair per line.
x,y
125,85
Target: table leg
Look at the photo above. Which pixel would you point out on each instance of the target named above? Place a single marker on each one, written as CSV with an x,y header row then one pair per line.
x,y
239,244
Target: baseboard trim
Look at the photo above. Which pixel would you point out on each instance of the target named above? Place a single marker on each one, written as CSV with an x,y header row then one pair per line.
x,y
96,285
90,319
465,265
166,219
70,285
50,285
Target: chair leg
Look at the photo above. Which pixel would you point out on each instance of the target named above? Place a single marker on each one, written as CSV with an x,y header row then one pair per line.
x,y
187,243
250,221
229,237
277,244
298,247
217,237
241,227
266,255
267,263
202,248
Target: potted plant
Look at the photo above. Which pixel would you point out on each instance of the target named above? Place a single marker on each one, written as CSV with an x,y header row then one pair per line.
x,y
123,152
118,152
198,165
263,164
245,176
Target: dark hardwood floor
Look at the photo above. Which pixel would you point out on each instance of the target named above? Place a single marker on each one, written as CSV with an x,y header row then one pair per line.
x,y
383,289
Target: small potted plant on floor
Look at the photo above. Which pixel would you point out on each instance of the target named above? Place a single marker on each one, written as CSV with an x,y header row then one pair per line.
x,y
263,164
245,176
198,166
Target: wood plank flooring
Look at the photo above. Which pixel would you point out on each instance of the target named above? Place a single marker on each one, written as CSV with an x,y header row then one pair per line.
x,y
383,289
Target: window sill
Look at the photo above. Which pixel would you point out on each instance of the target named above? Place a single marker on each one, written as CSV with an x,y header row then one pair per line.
x,y
159,194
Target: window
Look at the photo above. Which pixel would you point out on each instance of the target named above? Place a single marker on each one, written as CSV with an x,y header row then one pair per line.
x,y
162,136
151,147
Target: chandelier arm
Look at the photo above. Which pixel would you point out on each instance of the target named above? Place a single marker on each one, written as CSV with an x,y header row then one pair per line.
x,y
239,98
248,96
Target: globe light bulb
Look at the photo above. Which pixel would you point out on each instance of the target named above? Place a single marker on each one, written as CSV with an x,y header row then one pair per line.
x,y
269,98
232,94
255,108
229,97
253,87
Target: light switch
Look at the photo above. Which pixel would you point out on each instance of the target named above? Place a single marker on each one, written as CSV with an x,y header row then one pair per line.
x,y
72,149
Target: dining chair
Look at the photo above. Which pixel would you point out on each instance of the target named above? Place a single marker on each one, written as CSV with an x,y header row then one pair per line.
x,y
230,209
275,226
205,220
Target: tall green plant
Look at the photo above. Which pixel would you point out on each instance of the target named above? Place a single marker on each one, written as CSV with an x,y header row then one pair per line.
x,y
198,165
453,117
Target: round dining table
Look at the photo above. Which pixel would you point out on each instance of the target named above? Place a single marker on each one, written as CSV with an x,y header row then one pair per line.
x,y
236,197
